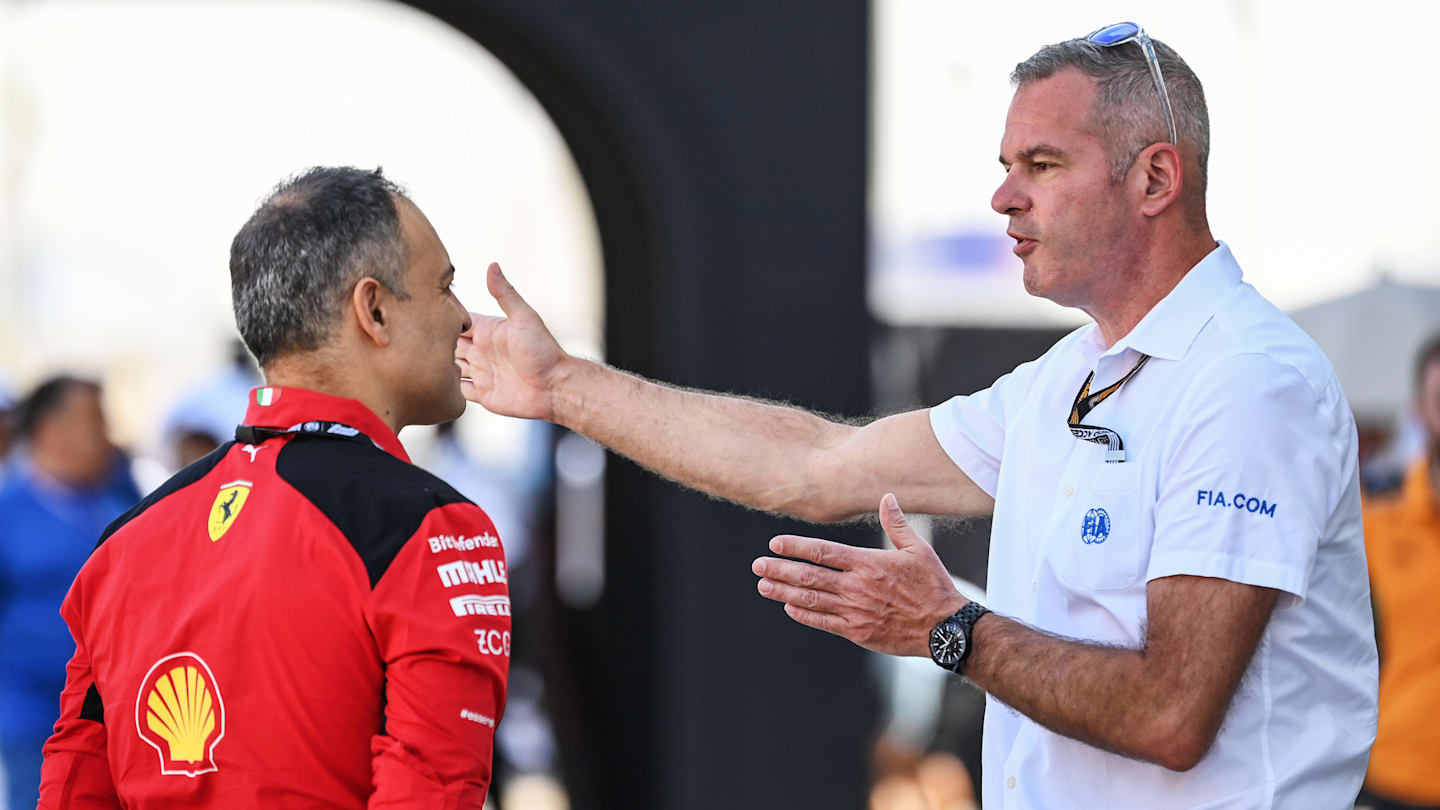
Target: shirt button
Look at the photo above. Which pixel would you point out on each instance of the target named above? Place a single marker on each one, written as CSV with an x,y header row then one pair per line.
x,y
1068,490
1010,783
1034,587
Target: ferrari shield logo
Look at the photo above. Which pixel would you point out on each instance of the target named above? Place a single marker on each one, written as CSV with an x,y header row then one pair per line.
x,y
227,507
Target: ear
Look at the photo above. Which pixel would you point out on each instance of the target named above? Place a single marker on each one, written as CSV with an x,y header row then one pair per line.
x,y
1164,175
370,303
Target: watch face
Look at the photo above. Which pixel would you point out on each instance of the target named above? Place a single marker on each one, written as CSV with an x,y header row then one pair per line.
x,y
947,643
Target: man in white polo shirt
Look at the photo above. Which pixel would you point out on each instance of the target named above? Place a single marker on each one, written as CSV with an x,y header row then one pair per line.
x,y
1181,604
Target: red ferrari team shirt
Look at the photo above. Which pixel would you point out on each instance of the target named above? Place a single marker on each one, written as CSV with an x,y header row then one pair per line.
x,y
300,619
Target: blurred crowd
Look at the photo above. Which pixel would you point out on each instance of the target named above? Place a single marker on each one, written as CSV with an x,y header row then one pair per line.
x,y
62,480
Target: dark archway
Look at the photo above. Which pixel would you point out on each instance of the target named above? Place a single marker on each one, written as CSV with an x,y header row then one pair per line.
x,y
724,149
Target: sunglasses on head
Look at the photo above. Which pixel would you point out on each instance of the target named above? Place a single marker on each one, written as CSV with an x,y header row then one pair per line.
x,y
1123,32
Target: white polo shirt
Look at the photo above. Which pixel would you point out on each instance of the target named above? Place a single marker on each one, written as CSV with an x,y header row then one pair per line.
x,y
1241,464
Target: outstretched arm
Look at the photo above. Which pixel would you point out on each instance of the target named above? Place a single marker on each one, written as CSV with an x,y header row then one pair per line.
x,y
1162,703
763,455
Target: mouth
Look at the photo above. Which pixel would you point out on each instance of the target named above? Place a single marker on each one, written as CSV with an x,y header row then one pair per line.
x,y
1023,245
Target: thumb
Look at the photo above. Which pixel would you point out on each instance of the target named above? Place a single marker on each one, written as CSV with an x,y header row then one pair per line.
x,y
897,528
503,293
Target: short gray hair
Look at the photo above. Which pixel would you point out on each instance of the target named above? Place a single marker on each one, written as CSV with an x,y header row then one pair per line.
x,y
1127,111
294,263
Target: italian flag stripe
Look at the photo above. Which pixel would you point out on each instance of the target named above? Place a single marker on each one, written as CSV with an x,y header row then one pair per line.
x,y
266,396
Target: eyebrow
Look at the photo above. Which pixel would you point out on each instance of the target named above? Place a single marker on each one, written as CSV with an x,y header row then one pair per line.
x,y
1038,149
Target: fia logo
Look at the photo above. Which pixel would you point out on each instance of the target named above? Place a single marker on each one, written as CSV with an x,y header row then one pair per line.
x,y
1096,527
227,506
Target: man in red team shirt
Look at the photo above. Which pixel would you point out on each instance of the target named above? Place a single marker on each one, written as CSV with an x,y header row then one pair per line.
x,y
302,618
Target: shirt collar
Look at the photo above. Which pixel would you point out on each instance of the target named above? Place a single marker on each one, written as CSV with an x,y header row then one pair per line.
x,y
1170,326
280,408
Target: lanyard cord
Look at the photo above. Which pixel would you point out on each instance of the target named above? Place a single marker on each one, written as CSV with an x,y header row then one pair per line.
x,y
251,434
1086,401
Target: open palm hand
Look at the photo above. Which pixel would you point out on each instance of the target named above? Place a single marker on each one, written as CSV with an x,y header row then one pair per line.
x,y
508,364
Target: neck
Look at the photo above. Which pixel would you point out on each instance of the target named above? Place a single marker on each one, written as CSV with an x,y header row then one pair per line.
x,y
1159,270
318,371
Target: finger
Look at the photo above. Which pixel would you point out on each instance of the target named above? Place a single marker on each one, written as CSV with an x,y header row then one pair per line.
x,y
828,622
808,598
475,381
505,294
804,575
473,343
824,552
471,359
896,526
469,333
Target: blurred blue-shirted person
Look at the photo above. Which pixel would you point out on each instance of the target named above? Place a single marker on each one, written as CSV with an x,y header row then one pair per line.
x,y
7,404
65,482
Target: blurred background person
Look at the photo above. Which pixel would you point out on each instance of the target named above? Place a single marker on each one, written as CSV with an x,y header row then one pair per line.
x,y
209,409
930,743
67,482
1402,535
7,403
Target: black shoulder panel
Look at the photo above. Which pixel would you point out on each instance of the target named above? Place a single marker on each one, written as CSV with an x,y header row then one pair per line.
x,y
376,500
199,469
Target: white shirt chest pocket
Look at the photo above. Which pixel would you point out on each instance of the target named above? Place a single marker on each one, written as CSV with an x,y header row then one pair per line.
x,y
1103,542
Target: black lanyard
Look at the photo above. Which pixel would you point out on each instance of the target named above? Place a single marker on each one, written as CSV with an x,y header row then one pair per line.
x,y
251,434
1085,402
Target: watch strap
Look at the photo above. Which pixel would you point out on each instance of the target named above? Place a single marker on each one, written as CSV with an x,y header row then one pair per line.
x,y
967,617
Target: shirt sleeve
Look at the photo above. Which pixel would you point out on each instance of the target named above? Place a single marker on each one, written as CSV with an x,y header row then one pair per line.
x,y
76,771
971,429
441,618
1252,477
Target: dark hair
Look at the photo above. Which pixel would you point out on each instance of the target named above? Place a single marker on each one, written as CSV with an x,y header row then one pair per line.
x,y
46,399
296,260
1127,112
1429,353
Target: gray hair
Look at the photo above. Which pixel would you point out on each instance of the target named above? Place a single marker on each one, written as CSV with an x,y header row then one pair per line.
x,y
294,263
1127,111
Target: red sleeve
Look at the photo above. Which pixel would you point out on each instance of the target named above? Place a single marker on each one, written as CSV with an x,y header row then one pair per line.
x,y
441,618
76,772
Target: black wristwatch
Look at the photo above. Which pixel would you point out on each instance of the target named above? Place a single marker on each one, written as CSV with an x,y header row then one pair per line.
x,y
950,639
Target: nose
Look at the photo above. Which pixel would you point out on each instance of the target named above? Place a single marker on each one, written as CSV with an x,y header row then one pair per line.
x,y
1009,198
466,322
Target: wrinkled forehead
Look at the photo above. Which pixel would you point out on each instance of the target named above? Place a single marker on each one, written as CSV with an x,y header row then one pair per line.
x,y
1054,110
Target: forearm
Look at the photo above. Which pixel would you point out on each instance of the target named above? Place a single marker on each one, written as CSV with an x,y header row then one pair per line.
x,y
758,454
1109,697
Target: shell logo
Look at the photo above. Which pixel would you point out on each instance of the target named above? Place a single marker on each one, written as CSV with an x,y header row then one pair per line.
x,y
179,712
